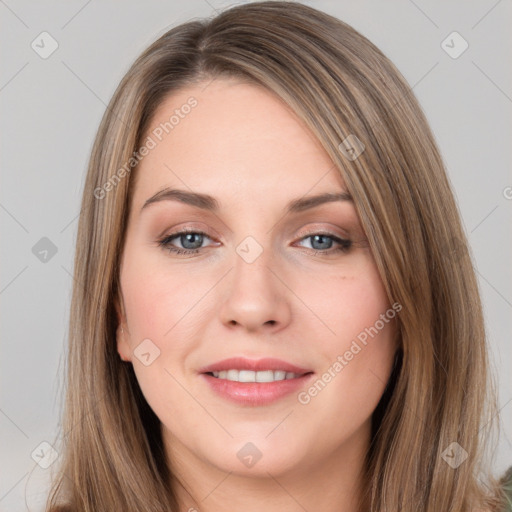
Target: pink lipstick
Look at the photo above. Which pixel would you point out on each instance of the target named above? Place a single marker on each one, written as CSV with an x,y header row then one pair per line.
x,y
254,382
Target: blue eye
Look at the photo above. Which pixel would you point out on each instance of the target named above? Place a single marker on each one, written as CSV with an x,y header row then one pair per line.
x,y
192,241
325,241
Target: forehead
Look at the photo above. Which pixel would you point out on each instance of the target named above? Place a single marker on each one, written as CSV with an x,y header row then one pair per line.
x,y
227,138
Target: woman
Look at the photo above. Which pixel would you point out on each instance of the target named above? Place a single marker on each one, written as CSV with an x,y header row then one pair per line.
x,y
221,356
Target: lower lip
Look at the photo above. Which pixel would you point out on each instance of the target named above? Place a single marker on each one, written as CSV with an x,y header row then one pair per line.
x,y
255,393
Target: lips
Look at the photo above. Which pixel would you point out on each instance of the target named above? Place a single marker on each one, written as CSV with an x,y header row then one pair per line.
x,y
248,382
242,363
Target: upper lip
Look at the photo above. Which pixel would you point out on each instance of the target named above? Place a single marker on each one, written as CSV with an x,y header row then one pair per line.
x,y
242,363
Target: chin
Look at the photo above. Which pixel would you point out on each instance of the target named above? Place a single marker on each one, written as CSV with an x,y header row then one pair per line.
x,y
257,456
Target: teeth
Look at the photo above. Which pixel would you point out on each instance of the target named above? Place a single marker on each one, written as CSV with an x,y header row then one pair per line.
x,y
251,376
266,376
231,375
243,375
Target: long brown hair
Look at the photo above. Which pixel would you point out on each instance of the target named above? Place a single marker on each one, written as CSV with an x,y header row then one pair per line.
x,y
340,85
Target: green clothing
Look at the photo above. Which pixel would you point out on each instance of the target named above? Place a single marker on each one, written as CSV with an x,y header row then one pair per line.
x,y
507,487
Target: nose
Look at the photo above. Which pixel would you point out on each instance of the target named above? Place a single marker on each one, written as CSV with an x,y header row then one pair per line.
x,y
256,297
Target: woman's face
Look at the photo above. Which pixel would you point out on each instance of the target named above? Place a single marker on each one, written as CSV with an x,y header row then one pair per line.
x,y
282,285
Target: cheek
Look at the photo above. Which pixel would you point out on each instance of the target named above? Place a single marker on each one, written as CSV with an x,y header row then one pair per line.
x,y
165,307
345,304
159,303
356,345
158,308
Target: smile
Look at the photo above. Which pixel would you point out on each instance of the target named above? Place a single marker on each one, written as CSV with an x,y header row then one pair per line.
x,y
253,376
250,382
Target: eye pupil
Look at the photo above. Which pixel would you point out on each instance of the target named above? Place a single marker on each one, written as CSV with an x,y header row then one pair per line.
x,y
189,237
320,237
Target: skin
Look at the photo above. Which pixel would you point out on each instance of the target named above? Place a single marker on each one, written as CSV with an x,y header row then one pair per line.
x,y
243,146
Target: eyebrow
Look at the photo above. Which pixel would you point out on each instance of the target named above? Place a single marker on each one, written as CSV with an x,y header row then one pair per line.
x,y
207,202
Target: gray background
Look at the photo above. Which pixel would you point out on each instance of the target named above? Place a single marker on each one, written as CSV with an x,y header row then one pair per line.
x,y
51,109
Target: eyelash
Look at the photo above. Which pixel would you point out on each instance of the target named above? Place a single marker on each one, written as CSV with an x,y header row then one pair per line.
x,y
344,245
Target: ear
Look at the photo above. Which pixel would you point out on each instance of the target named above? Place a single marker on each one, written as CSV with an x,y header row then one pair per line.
x,y
122,334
